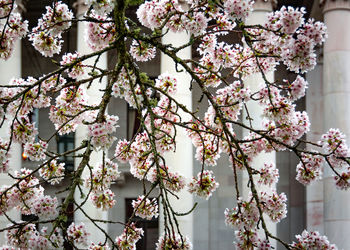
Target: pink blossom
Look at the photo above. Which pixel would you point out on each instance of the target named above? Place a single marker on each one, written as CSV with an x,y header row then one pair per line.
x,y
343,181
167,83
142,51
22,237
15,29
145,208
238,8
66,114
103,199
310,168
274,205
173,242
6,6
55,20
23,130
102,176
45,207
246,239
46,44
297,88
4,156
204,184
99,34
268,174
52,172
78,233
312,240
36,151
78,69
101,133
245,215
99,246
128,239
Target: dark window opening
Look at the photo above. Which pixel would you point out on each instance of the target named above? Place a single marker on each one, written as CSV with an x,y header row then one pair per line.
x,y
134,117
133,121
31,218
66,143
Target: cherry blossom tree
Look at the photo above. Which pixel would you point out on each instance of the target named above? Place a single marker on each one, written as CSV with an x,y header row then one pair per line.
x,y
220,74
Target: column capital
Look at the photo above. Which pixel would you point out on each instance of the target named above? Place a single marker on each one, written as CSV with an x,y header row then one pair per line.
x,y
329,5
20,7
80,6
264,5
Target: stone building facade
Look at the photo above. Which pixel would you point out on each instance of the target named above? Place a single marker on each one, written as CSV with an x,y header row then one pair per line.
x,y
318,207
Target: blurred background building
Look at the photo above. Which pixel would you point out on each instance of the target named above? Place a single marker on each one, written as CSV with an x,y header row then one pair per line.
x,y
318,207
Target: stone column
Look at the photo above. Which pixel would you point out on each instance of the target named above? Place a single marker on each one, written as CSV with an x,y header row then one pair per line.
x,y
94,97
182,160
10,69
336,91
315,110
258,16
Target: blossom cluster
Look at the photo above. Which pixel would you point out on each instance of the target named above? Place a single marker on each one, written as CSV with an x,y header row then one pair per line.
x,y
100,32
297,46
204,184
99,181
173,242
52,172
312,240
245,217
47,35
130,236
268,174
77,69
6,6
125,87
101,133
68,111
28,237
142,51
220,71
11,31
28,197
99,246
334,145
36,96
145,208
4,156
310,168
78,233
143,165
35,151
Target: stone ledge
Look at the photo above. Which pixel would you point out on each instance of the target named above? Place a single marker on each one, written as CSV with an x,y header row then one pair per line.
x,y
329,5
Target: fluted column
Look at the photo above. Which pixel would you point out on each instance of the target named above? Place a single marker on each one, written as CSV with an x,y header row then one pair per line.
x,y
258,16
93,97
10,69
336,90
182,160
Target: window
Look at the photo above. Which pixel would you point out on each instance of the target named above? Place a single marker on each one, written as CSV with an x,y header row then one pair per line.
x,y
150,227
66,143
133,121
31,218
133,117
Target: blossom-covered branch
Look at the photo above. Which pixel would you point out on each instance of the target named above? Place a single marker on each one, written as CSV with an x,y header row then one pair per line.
x,y
220,73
